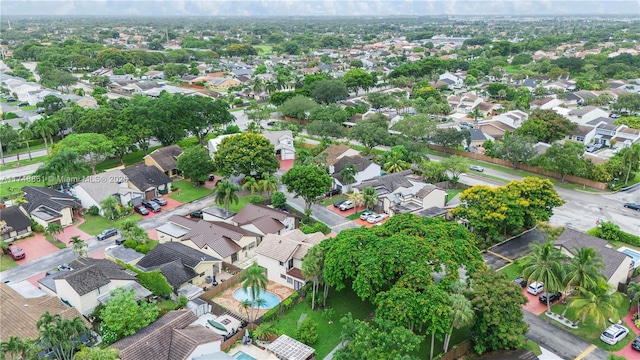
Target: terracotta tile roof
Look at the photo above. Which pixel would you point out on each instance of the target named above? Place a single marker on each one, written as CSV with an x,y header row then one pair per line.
x,y
293,244
252,212
19,315
219,236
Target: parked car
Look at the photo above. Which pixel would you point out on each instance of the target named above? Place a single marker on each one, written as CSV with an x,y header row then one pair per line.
x,y
476,168
141,210
196,214
334,192
105,234
521,282
375,218
614,334
346,205
553,297
23,104
12,100
159,201
535,288
14,252
632,206
339,202
614,116
271,123
635,345
365,215
151,205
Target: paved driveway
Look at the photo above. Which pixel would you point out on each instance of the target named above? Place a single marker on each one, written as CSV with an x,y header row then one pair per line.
x,y
628,352
73,230
534,305
171,204
35,247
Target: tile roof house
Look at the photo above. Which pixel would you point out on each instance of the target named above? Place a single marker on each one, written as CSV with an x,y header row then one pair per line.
x,y
180,264
19,315
171,337
282,256
282,142
404,192
14,223
94,189
48,206
264,220
147,179
89,283
618,266
337,152
165,159
365,169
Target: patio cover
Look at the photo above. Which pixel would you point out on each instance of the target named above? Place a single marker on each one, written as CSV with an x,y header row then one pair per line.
x,y
287,348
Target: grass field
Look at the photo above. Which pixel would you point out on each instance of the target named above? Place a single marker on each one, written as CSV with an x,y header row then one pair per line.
x,y
93,225
8,188
264,49
188,192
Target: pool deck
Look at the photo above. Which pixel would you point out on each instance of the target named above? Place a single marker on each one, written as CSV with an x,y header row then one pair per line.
x,y
253,351
636,258
227,300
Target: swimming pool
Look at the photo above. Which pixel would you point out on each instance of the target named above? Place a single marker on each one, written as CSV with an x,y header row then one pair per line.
x,y
634,255
243,356
270,300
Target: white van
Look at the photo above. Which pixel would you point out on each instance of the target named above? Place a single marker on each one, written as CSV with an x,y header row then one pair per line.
x,y
535,288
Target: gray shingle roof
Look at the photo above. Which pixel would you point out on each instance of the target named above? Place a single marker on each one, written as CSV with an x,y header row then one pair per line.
x,y
219,236
252,212
171,251
54,199
388,183
573,240
15,218
145,177
358,161
90,274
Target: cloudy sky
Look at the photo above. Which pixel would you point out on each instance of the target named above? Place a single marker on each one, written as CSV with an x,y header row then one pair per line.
x,y
316,7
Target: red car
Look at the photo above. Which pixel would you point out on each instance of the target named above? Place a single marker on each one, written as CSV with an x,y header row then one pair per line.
x,y
15,252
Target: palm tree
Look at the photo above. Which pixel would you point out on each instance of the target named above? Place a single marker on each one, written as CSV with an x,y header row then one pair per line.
x,y
54,229
631,156
25,134
79,246
110,207
17,348
596,303
311,268
370,197
395,163
634,288
6,133
475,114
45,127
582,271
251,183
357,199
226,194
462,314
268,183
348,175
264,331
60,334
14,144
544,264
255,279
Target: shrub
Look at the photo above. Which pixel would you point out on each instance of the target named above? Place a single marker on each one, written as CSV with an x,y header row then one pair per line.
x,y
232,129
37,227
611,232
182,301
154,281
93,210
307,332
131,244
278,199
255,199
143,249
270,314
315,227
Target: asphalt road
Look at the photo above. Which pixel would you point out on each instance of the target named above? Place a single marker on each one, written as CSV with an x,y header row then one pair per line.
x,y
559,341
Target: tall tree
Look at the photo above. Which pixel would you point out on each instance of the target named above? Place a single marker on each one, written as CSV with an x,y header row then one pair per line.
x,y
597,303
449,138
18,349
371,132
456,165
248,154
583,271
544,264
25,134
563,159
254,281
196,164
61,334
546,126
93,147
7,136
226,193
268,183
44,127
516,149
312,265
79,246
251,183
461,313
356,79
307,182
329,91
123,315
499,323
631,159
370,196
61,167
634,288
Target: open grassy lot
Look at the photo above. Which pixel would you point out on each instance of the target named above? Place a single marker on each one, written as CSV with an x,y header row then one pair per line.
x,y
342,303
187,192
93,225
589,330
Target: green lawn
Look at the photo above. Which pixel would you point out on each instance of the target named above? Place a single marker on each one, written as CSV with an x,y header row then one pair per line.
x,y
264,49
6,263
10,187
29,108
330,200
241,203
342,303
512,271
24,154
93,225
187,192
511,69
129,159
451,193
590,331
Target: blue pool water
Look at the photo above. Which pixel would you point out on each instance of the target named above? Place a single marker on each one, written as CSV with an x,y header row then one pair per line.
x,y
634,255
270,300
243,356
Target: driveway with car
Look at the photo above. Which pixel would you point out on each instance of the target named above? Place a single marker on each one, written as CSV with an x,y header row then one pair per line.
x,y
35,247
627,321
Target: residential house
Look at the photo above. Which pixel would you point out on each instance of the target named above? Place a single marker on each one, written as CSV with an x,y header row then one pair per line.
x,y
174,336
365,169
264,220
625,137
477,141
282,142
580,97
19,314
404,192
282,256
14,223
165,159
494,128
180,264
586,114
583,134
513,118
93,190
140,87
117,253
618,266
175,228
47,206
212,144
148,179
90,283
223,83
337,152
546,103
452,80
86,102
605,130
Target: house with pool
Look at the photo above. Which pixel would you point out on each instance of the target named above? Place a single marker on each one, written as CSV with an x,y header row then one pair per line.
x,y
282,256
618,264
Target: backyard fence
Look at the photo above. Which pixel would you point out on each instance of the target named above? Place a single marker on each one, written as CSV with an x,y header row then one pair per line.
x,y
457,351
232,340
221,287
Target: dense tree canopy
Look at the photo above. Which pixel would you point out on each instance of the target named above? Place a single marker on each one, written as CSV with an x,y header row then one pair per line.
x,y
546,126
249,154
